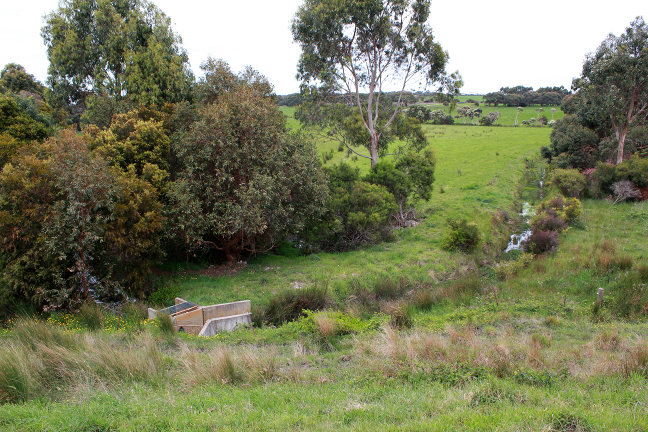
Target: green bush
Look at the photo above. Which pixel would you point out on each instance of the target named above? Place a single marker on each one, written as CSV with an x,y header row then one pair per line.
x,y
569,209
289,305
570,182
357,213
634,169
461,235
164,295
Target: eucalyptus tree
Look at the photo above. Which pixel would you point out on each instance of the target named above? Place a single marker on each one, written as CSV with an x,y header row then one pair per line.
x,y
115,49
615,80
517,113
358,49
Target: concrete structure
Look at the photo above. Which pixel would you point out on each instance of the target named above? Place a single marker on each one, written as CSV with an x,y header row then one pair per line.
x,y
206,320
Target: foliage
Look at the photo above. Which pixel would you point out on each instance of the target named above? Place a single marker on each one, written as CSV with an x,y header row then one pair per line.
x,y
572,144
570,182
420,113
356,213
136,141
548,220
125,50
521,96
16,128
634,169
490,119
540,242
615,81
350,46
570,209
411,176
440,117
460,235
15,78
245,182
289,305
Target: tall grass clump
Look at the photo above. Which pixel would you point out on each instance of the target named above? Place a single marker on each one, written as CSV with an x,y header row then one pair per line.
x,y
165,324
42,360
630,294
91,315
289,305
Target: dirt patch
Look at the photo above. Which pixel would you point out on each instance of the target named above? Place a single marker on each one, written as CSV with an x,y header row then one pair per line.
x,y
218,270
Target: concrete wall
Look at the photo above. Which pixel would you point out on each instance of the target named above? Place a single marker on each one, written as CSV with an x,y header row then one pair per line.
x,y
226,309
229,323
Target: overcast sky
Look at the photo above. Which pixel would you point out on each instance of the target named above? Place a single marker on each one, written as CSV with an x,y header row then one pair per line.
x,y
491,43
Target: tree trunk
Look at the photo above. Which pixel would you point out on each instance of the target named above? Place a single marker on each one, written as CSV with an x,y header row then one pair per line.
x,y
373,149
621,137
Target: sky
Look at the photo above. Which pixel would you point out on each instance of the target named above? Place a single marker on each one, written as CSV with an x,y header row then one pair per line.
x,y
491,43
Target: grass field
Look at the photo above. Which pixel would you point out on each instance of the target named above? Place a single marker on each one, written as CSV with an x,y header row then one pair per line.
x,y
527,352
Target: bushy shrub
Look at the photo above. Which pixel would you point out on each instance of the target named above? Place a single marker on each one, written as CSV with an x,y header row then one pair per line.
x,y
289,305
548,221
357,213
461,235
569,209
440,117
419,112
570,182
634,169
572,144
541,242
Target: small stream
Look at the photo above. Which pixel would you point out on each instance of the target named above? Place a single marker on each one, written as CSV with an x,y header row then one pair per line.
x,y
517,240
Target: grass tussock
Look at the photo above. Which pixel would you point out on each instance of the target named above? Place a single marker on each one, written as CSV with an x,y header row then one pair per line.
x,y
43,360
229,366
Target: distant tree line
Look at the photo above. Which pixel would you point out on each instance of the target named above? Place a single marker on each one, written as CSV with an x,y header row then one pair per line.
x,y
520,96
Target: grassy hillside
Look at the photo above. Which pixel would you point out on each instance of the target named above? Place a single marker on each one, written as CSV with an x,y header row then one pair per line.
x,y
528,351
477,172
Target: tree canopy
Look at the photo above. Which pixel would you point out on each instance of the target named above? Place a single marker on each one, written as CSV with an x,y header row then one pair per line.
x,y
354,47
122,49
615,81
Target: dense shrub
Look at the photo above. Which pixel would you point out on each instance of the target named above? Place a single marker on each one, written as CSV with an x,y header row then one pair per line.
x,y
548,221
356,213
461,235
569,209
440,117
570,182
419,112
572,145
245,182
634,169
541,242
290,304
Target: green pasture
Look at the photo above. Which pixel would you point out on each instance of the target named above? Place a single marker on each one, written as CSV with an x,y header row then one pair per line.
x,y
554,364
477,171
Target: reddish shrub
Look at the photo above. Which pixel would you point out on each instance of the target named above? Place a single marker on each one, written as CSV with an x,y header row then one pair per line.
x,y
541,242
